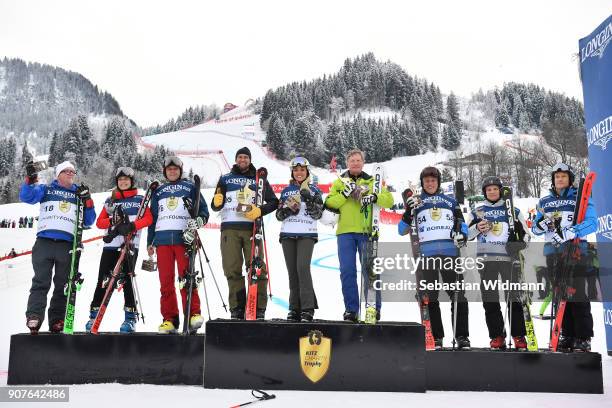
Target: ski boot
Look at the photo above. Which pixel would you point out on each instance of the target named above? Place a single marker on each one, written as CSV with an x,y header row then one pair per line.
x,y
520,343
307,315
293,316
57,326
582,345
237,314
167,327
260,314
438,343
498,343
195,322
350,317
33,323
92,317
565,344
129,324
463,343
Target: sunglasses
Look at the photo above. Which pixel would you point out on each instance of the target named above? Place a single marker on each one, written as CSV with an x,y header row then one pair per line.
x,y
68,171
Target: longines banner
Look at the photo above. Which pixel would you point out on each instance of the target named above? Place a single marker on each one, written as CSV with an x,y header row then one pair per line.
x,y
596,74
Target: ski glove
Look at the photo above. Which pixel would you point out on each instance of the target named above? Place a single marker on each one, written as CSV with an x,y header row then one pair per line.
x,y
83,193
284,213
349,187
546,224
195,223
125,228
306,195
567,234
218,199
369,199
411,202
459,238
253,214
189,236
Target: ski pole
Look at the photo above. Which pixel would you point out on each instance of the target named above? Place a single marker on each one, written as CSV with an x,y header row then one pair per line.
x,y
259,397
211,272
204,286
455,311
135,291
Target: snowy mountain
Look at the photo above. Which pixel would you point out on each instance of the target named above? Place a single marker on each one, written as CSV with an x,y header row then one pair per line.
x,y
40,99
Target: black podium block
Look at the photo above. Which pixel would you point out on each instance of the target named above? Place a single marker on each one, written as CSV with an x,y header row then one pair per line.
x,y
486,370
139,358
280,355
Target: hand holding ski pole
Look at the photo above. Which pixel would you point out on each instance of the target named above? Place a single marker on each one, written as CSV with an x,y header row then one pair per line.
x,y
566,234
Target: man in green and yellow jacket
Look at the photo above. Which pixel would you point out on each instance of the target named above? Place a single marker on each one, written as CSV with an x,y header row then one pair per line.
x,y
350,195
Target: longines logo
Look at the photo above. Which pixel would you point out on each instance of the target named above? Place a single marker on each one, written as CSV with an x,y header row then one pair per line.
x,y
605,226
315,355
601,133
597,46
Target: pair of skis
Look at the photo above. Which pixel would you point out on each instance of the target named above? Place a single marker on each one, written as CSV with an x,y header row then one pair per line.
x,y
517,271
422,297
564,289
75,279
126,251
258,259
190,278
372,251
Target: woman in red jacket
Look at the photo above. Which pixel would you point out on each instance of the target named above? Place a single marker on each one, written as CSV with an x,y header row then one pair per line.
x,y
118,218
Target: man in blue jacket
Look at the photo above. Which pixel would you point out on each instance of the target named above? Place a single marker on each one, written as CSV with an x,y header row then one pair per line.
x,y
58,203
171,230
554,219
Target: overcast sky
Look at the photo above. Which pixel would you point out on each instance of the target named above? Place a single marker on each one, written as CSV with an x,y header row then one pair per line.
x,y
159,57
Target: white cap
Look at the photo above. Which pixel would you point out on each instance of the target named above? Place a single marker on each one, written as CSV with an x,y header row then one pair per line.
x,y
63,166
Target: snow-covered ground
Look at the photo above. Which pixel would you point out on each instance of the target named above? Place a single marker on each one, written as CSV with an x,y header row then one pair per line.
x,y
15,276
228,134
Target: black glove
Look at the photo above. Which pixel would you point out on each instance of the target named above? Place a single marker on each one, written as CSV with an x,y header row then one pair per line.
x,y
284,213
306,195
83,193
407,217
126,228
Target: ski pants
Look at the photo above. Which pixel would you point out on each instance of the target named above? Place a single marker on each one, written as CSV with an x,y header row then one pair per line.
x,y
236,252
431,271
577,320
48,254
490,300
167,257
349,245
107,264
298,255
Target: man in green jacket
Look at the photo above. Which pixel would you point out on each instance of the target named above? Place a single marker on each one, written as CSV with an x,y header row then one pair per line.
x,y
350,195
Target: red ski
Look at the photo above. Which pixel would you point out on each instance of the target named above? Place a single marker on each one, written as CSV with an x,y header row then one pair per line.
x,y
422,297
257,259
571,255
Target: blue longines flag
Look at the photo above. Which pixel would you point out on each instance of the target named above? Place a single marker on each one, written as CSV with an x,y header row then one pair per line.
x,y
596,74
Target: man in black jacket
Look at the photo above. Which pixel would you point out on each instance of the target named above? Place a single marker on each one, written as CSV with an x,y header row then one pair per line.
x,y
235,198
